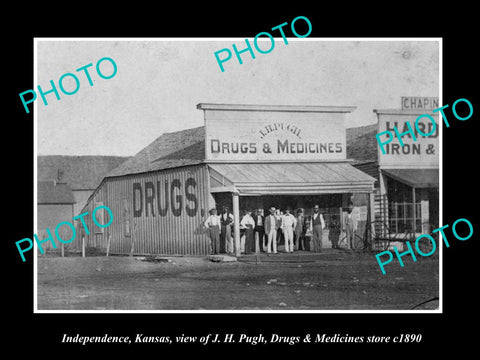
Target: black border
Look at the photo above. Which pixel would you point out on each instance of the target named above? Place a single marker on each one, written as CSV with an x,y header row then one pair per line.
x,y
450,329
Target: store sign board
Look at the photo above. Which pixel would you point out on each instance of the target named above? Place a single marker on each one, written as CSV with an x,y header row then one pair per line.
x,y
274,136
417,102
420,153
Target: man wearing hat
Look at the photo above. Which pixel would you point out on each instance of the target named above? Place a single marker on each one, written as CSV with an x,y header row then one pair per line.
x,y
271,227
213,225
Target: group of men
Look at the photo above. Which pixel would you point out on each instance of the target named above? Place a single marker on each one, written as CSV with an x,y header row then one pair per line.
x,y
266,231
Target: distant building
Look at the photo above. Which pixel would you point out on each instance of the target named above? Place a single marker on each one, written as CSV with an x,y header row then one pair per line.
x,y
55,203
81,174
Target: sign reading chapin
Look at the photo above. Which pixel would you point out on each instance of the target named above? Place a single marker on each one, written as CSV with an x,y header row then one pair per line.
x,y
417,102
274,133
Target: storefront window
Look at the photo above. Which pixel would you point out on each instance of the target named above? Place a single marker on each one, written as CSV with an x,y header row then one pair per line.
x,y
400,208
401,217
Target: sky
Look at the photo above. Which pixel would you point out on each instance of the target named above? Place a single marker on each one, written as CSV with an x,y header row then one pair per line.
x,y
159,83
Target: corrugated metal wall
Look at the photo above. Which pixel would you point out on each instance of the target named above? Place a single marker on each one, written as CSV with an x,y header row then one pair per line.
x,y
162,212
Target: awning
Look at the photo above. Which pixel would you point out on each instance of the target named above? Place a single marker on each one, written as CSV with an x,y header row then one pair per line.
x,y
289,178
418,178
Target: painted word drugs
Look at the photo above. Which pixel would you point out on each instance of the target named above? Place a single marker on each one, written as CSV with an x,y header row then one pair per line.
x,y
420,252
70,225
249,48
420,127
61,83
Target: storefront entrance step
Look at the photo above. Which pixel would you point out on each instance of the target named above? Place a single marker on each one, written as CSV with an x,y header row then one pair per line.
x,y
222,258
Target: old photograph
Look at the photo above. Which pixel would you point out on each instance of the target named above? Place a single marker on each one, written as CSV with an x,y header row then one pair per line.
x,y
212,175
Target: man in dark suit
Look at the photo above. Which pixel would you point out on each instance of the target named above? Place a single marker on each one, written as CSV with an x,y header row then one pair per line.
x,y
334,232
259,230
248,224
318,224
226,221
300,231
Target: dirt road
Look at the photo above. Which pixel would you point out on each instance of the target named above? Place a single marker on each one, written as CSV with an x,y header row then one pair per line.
x,y
333,280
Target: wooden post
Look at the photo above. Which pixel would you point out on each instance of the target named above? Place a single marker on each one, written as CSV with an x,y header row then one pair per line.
x,y
257,248
414,229
108,243
83,246
371,219
63,251
133,239
236,224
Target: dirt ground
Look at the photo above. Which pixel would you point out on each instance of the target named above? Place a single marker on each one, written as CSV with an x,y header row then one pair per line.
x,y
333,280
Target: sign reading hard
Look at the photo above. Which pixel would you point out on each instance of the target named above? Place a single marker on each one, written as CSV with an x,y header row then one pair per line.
x,y
418,151
274,133
416,102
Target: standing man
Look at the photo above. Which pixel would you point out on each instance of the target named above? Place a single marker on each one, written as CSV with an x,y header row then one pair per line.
x,y
248,223
299,231
264,237
288,224
334,233
318,224
271,231
226,221
278,217
259,230
213,225
350,227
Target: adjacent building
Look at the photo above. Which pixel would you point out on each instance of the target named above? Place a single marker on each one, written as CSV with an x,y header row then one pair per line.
x,y
409,174
407,186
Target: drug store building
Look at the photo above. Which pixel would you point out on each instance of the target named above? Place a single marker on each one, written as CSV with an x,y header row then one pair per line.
x,y
244,157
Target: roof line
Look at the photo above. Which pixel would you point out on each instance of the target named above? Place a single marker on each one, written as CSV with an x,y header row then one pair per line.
x,y
312,161
56,203
283,108
404,112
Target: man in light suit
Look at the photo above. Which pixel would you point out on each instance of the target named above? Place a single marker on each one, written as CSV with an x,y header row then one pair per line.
x,y
271,227
288,224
